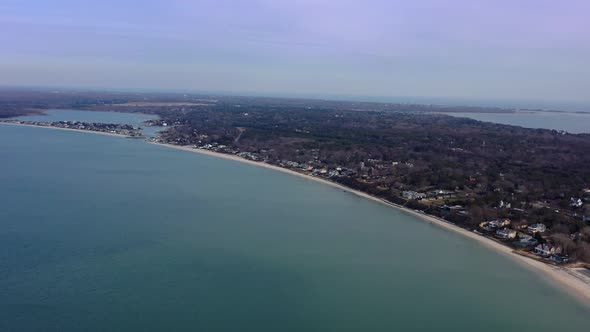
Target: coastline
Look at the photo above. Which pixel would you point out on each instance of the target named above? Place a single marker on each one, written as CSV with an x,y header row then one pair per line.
x,y
66,129
561,277
558,276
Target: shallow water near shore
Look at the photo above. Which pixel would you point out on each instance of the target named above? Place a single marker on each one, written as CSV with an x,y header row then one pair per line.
x,y
105,233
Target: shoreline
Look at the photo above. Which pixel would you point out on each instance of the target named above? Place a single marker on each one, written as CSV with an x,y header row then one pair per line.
x,y
66,129
558,276
561,277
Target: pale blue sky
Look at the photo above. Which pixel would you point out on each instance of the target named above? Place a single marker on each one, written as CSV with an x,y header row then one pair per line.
x,y
492,49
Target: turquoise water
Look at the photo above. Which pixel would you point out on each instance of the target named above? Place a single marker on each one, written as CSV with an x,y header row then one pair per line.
x,y
102,233
575,123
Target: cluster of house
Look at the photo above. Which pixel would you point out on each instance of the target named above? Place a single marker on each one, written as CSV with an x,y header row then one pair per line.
x,y
120,129
216,148
500,227
322,171
551,253
430,195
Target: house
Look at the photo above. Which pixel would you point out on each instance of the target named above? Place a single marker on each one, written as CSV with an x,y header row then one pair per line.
x,y
576,202
441,194
445,209
413,195
499,223
485,225
506,233
560,259
537,228
333,173
526,240
544,250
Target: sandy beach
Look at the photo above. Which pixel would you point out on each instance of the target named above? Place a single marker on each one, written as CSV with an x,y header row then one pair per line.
x,y
65,129
567,279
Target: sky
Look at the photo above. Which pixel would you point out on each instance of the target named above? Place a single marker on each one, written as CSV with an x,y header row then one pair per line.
x,y
471,49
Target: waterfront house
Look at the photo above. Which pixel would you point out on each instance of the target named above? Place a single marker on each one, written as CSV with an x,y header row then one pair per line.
x,y
485,226
445,209
441,194
544,250
413,195
537,228
506,233
499,223
560,259
576,202
526,240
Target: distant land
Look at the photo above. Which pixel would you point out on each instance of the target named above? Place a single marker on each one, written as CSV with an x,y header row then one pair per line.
x,y
475,105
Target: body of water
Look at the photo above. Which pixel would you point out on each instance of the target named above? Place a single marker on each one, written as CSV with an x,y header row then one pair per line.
x,y
103,233
574,123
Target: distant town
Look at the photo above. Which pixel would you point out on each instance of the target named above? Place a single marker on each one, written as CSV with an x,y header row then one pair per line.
x,y
107,128
526,188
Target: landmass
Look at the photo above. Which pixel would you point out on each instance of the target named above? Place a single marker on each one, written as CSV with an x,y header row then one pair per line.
x,y
522,191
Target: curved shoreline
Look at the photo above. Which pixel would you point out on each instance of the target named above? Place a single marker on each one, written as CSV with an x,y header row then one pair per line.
x,y
65,129
558,276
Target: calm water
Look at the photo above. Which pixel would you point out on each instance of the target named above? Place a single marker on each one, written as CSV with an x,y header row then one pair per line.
x,y
575,123
111,234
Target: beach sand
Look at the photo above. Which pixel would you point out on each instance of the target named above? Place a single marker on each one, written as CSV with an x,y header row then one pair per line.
x,y
567,279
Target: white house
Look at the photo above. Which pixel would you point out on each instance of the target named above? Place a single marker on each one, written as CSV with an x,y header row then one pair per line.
x,y
537,228
499,223
413,195
576,202
544,250
506,233
526,240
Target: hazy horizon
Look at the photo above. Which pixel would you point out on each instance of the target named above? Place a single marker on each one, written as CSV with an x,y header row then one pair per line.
x,y
425,50
558,105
